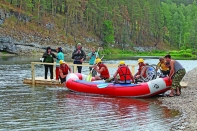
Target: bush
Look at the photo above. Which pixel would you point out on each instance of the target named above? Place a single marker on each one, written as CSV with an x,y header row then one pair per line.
x,y
188,50
186,54
173,52
158,51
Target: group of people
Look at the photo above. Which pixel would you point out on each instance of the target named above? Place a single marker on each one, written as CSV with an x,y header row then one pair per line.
x,y
61,67
167,66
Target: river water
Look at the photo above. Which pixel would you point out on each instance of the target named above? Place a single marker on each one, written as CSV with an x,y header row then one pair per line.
x,y
23,107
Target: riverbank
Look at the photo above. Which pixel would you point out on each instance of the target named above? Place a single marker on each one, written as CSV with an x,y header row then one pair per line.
x,y
185,103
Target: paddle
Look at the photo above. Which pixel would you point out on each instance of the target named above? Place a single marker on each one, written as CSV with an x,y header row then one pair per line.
x,y
102,85
89,77
107,84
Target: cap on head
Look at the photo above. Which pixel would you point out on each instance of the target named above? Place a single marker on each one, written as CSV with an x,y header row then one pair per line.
x,y
121,63
59,48
61,62
140,60
98,60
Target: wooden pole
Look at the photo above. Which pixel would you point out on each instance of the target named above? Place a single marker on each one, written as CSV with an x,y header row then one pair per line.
x,y
133,69
32,73
75,68
54,69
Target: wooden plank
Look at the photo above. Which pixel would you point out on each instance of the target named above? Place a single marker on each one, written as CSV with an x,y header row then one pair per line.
x,y
33,73
75,68
84,64
42,81
54,68
133,69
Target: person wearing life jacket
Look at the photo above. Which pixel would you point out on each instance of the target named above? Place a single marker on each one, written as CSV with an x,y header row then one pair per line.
x,y
141,64
101,69
63,71
163,66
60,56
125,74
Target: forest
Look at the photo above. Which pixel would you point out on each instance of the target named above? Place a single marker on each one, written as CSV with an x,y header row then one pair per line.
x,y
122,23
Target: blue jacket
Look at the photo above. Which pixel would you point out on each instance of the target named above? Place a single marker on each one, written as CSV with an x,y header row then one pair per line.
x,y
60,56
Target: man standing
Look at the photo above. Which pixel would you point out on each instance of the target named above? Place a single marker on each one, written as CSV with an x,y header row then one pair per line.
x,y
79,56
177,72
48,58
93,55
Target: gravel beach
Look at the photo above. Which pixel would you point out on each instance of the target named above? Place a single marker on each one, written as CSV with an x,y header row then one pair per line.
x,y
186,103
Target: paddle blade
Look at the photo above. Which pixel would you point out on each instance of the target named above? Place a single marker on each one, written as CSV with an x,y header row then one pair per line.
x,y
89,77
102,85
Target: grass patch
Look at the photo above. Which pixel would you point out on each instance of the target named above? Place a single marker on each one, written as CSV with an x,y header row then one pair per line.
x,y
4,53
128,54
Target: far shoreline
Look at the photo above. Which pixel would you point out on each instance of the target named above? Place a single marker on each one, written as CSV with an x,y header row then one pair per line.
x,y
106,56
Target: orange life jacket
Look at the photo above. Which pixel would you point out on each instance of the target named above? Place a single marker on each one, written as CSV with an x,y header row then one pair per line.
x,y
140,70
105,73
124,73
64,68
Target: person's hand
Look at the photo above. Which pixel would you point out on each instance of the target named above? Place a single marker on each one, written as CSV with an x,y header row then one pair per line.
x,y
81,60
78,51
169,78
94,66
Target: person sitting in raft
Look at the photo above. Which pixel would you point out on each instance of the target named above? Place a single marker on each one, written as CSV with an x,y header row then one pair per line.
x,y
125,74
163,66
137,76
63,71
101,69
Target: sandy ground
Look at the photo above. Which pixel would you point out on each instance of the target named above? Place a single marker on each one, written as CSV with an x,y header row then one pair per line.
x,y
186,103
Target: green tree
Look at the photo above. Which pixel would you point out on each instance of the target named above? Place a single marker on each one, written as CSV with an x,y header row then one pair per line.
x,y
108,32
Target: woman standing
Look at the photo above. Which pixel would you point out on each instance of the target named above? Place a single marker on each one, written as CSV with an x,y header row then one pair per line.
x,y
60,56
48,58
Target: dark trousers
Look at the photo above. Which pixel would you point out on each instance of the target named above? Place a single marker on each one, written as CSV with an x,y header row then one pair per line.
x,y
165,72
79,68
50,67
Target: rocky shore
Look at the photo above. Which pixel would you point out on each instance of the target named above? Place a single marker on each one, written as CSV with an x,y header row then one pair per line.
x,y
186,103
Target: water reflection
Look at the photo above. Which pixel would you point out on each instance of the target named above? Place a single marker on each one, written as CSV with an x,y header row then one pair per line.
x,y
23,107
115,113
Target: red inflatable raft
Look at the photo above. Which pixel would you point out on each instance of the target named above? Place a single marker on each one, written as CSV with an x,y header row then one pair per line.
x,y
76,82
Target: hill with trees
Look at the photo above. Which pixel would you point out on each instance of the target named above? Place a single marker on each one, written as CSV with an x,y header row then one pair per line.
x,y
123,24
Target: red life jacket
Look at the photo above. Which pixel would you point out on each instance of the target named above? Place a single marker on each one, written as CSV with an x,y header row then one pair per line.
x,y
64,68
105,73
124,73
